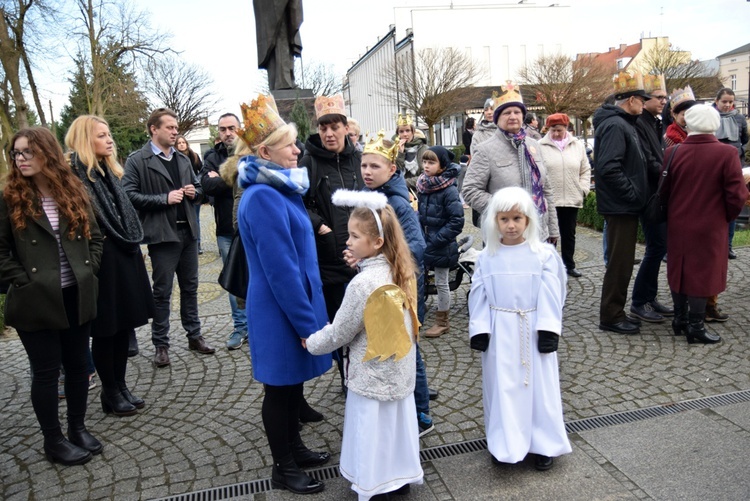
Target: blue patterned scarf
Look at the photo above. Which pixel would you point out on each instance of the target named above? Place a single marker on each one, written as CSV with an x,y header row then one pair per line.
x,y
529,170
253,170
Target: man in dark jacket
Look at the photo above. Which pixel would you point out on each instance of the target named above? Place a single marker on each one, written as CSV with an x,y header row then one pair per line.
x,y
644,304
621,194
214,185
163,188
332,163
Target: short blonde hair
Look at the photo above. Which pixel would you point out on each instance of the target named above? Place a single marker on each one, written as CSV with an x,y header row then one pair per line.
x,y
80,139
354,126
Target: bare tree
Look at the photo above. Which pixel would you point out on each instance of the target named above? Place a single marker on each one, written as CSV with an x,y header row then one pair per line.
x,y
114,35
13,17
321,78
428,82
564,85
680,70
184,88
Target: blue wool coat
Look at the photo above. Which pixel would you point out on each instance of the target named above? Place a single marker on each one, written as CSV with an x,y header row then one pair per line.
x,y
441,215
285,297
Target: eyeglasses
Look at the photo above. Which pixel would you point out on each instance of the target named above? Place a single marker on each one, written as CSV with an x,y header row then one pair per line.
x,y
26,154
660,98
231,128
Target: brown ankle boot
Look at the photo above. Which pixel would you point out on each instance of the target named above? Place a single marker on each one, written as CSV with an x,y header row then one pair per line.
x,y
441,326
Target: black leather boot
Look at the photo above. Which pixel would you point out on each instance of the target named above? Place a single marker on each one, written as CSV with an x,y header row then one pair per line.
x,y
304,457
137,402
697,331
287,475
132,344
114,403
59,450
307,414
79,435
680,320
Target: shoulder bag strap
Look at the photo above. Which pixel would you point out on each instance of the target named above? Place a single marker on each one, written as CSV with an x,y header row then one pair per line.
x,y
666,169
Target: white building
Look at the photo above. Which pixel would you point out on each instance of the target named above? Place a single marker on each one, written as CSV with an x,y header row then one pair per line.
x,y
734,71
500,37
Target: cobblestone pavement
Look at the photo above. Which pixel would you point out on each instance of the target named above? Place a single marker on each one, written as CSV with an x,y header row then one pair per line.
x,y
201,427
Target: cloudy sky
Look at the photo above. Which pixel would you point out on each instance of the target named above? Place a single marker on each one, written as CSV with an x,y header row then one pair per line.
x,y
221,36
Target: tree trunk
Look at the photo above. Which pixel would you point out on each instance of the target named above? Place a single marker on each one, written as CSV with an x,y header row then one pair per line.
x,y
10,59
32,86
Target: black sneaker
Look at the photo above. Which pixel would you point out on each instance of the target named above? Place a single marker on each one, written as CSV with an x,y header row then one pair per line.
x,y
646,313
425,424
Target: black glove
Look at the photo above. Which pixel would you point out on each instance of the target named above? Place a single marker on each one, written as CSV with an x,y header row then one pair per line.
x,y
480,342
548,341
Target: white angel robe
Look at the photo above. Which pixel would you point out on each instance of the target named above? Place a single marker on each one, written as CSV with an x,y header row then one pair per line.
x,y
515,293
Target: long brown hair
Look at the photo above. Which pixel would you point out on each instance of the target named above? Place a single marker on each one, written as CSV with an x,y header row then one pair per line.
x,y
20,192
395,248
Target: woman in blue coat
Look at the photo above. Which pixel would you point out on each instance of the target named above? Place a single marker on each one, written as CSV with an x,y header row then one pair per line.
x,y
441,216
285,297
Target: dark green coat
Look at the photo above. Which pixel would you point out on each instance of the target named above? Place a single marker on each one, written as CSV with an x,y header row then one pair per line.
x,y
30,265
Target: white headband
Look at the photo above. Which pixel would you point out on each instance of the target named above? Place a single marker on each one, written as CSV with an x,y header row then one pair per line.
x,y
373,200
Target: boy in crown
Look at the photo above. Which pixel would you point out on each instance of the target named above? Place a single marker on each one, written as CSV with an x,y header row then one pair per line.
x,y
380,173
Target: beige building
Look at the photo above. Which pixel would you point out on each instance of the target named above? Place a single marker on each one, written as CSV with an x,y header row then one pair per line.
x,y
734,69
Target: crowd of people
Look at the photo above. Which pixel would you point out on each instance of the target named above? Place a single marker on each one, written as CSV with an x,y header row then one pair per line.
x,y
336,264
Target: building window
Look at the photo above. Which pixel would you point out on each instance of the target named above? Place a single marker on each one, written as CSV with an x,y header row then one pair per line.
x,y
733,82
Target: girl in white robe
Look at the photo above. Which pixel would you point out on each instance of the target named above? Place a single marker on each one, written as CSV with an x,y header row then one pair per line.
x,y
376,325
515,319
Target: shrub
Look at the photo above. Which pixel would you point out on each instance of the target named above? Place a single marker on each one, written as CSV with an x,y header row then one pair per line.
x,y
590,217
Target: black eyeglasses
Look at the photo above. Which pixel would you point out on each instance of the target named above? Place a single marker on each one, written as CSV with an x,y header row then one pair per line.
x,y
660,98
26,154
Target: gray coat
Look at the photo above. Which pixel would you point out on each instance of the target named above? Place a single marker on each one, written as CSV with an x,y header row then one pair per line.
x,y
148,183
494,165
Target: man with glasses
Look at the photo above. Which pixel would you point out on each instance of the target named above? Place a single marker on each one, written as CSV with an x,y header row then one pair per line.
x,y
214,186
651,134
621,194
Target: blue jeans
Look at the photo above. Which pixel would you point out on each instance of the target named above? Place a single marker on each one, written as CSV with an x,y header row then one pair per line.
x,y
238,314
647,280
421,393
604,243
732,224
198,221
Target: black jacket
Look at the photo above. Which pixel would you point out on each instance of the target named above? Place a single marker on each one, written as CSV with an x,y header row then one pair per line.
x,y
441,216
216,187
651,134
148,183
329,172
620,175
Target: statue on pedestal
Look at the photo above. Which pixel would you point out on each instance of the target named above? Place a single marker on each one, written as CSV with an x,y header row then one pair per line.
x,y
277,24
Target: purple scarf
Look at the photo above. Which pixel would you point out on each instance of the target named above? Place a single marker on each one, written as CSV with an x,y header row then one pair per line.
x,y
527,159
430,184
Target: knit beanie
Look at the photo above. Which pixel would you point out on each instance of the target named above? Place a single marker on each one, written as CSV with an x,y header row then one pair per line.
x,y
444,156
702,119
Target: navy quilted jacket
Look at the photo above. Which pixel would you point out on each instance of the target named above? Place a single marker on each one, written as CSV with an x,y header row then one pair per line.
x,y
441,216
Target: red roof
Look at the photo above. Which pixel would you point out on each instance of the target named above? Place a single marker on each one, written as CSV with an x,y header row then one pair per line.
x,y
614,53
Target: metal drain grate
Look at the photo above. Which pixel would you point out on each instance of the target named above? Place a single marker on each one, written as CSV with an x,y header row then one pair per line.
x,y
245,489
660,410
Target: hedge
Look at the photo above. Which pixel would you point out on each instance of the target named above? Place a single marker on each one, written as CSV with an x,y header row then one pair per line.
x,y
588,216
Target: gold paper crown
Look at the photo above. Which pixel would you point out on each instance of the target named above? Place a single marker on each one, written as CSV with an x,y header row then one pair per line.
x,y
627,82
509,93
376,146
259,120
403,120
654,82
333,105
681,95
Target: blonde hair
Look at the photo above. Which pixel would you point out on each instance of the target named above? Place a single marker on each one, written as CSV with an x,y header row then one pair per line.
x,y
281,136
395,248
506,200
354,126
80,139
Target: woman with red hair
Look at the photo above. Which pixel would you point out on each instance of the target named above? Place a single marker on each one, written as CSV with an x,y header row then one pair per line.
x,y
50,249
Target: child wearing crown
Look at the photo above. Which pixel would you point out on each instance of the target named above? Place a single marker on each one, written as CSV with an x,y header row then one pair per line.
x,y
411,146
377,326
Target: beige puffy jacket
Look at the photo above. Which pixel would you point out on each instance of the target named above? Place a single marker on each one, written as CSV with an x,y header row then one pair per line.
x,y
568,171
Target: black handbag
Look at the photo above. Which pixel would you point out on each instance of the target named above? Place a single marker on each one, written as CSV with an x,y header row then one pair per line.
x,y
656,207
235,277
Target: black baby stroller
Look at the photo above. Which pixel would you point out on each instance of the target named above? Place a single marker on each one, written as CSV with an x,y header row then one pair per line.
x,y
467,257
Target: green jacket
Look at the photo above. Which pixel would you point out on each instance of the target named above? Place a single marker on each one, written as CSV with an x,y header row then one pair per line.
x,y
30,265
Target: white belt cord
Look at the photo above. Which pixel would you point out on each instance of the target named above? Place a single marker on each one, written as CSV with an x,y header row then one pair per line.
x,y
524,329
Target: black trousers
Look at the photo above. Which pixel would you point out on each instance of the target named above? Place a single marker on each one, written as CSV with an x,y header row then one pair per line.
x,y
281,417
622,232
566,220
110,355
46,350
